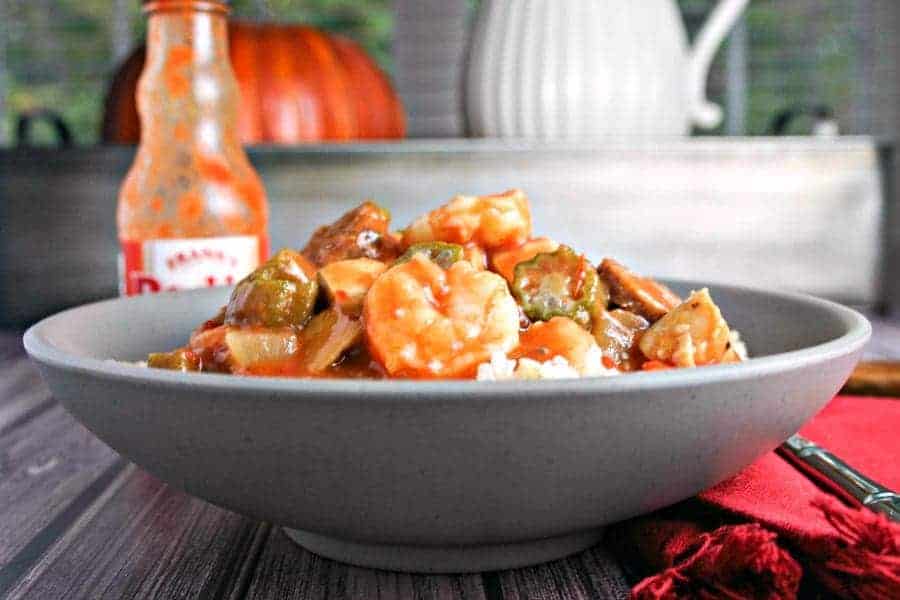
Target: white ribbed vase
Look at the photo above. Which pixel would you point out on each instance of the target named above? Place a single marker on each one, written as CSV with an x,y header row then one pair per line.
x,y
573,69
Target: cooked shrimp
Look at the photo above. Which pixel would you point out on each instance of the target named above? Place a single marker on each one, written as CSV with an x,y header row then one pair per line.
x,y
422,321
489,221
693,333
561,336
731,357
504,261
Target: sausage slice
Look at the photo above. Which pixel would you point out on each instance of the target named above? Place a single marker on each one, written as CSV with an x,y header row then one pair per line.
x,y
641,295
360,233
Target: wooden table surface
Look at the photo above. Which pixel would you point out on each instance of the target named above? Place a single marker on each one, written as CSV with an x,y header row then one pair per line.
x,y
79,521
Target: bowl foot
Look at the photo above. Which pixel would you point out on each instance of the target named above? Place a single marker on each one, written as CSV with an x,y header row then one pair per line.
x,y
449,559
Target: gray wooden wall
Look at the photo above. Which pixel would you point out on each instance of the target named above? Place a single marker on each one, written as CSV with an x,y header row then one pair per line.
x,y
798,214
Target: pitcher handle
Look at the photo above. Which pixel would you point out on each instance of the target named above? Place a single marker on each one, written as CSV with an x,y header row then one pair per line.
x,y
704,113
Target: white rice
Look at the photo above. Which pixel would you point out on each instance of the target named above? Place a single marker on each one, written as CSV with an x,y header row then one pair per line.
x,y
738,345
501,367
133,363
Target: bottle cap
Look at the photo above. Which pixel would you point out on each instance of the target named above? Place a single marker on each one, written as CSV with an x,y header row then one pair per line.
x,y
145,2
195,5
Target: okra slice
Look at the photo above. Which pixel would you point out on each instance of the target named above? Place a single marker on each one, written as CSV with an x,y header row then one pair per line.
x,y
281,292
440,253
181,359
557,284
285,264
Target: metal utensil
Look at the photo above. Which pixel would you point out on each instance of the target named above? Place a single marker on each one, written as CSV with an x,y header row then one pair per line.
x,y
828,469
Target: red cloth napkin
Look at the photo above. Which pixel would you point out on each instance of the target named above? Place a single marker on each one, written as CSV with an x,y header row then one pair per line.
x,y
770,532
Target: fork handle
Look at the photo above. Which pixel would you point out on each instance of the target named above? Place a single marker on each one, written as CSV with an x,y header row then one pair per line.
x,y
830,470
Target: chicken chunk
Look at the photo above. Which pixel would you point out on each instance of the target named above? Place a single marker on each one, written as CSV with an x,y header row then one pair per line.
x,y
616,332
691,334
345,282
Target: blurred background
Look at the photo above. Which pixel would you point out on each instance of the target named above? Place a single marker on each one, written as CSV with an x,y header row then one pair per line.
x,y
839,55
792,186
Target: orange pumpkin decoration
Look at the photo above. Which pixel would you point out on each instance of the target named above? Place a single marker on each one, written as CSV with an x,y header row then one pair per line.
x,y
298,84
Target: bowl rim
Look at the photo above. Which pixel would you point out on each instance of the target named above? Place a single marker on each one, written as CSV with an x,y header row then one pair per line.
x,y
857,331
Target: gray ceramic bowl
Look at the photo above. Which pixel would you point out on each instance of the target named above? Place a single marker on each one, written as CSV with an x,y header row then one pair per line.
x,y
444,476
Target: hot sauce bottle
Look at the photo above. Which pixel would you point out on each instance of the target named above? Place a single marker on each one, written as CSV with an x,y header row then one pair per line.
x,y
192,211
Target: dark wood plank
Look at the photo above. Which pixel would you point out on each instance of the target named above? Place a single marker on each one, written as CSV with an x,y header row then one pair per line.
x,y
84,525
885,342
601,574
875,378
144,539
22,393
21,390
45,465
591,575
879,373
10,344
78,523
287,571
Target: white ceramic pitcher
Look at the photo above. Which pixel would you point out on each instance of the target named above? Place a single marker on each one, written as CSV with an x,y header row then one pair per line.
x,y
572,69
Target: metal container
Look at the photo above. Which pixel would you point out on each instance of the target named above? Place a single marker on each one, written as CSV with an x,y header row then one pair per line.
x,y
803,214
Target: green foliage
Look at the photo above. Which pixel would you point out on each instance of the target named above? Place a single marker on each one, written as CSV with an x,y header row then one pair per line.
x,y
801,52
369,22
59,53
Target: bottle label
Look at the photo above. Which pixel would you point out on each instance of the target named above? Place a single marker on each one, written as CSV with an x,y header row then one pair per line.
x,y
178,264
